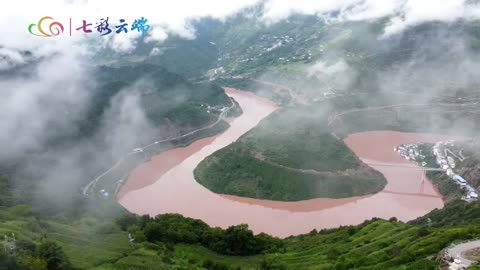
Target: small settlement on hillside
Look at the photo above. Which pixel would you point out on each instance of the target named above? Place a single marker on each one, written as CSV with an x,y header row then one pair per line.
x,y
444,158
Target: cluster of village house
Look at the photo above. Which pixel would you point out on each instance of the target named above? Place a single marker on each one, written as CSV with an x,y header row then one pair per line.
x,y
410,152
445,161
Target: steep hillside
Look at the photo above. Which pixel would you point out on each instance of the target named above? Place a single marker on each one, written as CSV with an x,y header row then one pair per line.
x,y
289,156
167,98
123,108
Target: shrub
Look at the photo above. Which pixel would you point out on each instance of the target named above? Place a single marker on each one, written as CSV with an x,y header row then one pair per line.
x,y
53,254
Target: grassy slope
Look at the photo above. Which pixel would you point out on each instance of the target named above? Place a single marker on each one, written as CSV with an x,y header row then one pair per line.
x,y
377,245
298,138
93,241
252,166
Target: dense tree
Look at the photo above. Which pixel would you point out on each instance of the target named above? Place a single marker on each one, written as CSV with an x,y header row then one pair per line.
x,y
239,240
173,228
9,263
54,255
272,264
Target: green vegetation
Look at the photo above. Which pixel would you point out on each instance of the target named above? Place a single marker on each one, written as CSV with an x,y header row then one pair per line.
x,y
299,138
465,155
444,184
428,118
93,234
292,155
233,171
377,244
455,214
53,255
236,111
289,156
174,242
172,105
449,190
109,181
163,95
173,228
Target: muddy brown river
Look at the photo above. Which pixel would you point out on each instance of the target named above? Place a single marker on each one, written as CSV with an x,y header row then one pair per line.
x,y
165,184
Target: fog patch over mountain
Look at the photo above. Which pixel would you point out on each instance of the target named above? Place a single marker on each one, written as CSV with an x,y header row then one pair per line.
x,y
44,99
123,126
402,13
337,75
41,103
47,84
428,71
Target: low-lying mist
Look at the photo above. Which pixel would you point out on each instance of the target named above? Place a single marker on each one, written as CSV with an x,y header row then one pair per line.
x,y
44,102
47,93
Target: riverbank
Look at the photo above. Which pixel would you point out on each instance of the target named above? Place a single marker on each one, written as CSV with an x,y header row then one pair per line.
x,y
406,196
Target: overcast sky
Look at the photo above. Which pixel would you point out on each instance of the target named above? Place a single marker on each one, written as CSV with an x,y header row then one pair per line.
x,y
172,16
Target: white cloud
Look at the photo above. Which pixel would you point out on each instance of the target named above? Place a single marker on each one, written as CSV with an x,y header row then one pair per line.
x,y
415,12
164,17
41,104
337,75
173,16
280,9
403,13
9,58
366,10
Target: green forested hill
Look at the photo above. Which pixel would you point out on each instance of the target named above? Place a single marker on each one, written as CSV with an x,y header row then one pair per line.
x,y
164,95
88,143
289,156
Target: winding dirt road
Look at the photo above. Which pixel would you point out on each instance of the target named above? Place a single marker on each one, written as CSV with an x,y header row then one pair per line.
x,y
459,251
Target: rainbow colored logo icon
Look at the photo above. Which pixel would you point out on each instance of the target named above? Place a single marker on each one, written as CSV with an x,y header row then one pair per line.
x,y
55,28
